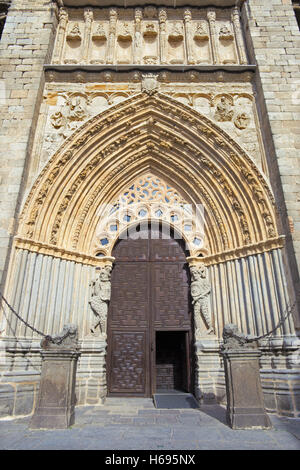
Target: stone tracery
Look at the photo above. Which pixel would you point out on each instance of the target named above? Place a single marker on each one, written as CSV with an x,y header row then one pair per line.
x,y
149,198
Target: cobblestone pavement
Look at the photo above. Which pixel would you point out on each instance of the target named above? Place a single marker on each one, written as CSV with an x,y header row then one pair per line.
x,y
126,424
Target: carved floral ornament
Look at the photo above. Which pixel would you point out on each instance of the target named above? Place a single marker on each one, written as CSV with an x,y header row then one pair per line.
x,y
149,135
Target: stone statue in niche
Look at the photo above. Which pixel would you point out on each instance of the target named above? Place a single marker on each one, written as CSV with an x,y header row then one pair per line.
x,y
176,45
125,33
75,32
241,121
201,32
224,111
100,297
176,33
200,292
225,33
99,33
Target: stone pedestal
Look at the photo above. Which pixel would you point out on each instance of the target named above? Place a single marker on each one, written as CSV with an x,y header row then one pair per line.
x,y
245,405
207,369
56,400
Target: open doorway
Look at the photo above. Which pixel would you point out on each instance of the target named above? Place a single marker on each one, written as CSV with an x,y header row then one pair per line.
x,y
172,361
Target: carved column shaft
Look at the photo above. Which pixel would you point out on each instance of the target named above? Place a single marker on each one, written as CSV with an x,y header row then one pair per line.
x,y
163,35
138,36
188,37
238,35
88,17
59,44
112,34
211,16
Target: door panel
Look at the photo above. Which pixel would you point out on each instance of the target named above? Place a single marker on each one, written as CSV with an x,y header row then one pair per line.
x,y
150,291
128,363
129,303
169,294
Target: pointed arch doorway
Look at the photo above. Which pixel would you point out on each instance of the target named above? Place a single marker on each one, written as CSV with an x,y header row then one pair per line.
x,y
149,319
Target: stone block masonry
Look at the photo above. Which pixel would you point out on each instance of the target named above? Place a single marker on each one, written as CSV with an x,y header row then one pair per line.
x,y
273,40
26,44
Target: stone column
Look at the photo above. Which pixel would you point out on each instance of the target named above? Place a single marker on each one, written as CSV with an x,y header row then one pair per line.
x,y
138,36
88,18
56,400
163,35
112,35
188,37
211,16
60,38
238,35
245,404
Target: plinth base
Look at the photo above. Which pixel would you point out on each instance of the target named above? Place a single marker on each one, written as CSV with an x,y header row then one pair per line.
x,y
52,419
240,419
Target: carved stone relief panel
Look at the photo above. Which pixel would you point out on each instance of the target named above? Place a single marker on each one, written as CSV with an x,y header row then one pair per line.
x,y
72,53
232,107
149,35
67,106
99,43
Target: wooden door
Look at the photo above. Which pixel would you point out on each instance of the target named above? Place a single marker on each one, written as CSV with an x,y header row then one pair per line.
x,y
150,292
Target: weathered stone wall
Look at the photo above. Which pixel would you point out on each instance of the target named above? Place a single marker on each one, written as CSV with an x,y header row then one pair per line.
x,y
26,44
273,40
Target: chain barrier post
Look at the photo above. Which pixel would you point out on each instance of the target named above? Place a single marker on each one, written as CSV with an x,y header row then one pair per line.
x,y
245,403
56,399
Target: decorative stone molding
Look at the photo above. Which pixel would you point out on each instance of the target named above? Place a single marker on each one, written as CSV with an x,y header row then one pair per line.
x,y
241,252
58,252
128,73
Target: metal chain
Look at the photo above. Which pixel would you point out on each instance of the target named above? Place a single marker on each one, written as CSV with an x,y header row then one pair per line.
x,y
256,338
58,340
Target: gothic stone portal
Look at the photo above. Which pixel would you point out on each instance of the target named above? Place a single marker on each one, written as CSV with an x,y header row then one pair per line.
x,y
150,294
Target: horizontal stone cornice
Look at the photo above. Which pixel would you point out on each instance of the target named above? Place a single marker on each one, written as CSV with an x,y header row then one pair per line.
x,y
240,252
58,252
139,3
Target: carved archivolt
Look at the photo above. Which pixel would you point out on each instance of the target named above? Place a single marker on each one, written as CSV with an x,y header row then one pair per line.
x,y
156,137
138,36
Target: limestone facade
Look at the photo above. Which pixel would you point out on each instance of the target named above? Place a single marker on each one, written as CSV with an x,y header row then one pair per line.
x,y
201,102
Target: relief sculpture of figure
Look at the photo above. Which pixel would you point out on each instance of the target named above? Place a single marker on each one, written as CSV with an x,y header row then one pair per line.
x,y
224,111
100,297
200,291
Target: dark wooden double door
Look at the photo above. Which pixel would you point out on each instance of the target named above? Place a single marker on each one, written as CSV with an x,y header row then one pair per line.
x,y
149,319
